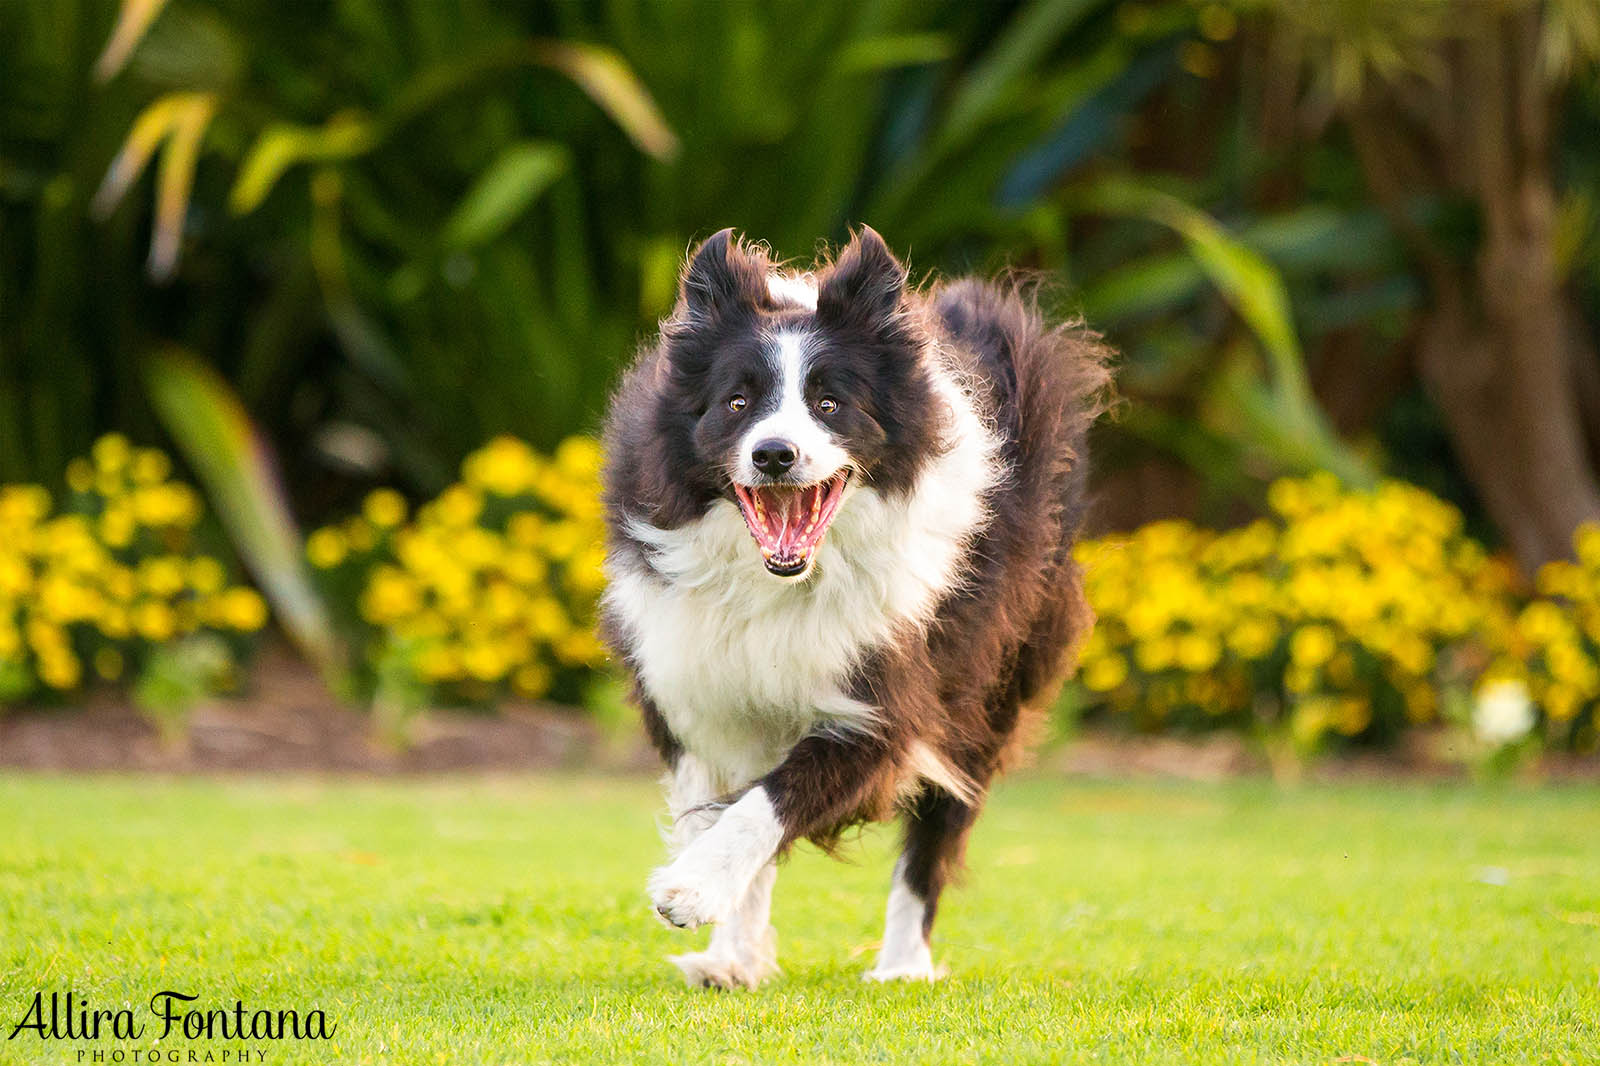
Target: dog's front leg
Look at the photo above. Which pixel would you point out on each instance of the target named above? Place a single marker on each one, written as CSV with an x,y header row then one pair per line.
x,y
824,780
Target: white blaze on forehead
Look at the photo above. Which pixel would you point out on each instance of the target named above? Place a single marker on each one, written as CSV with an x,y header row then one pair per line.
x,y
794,289
791,419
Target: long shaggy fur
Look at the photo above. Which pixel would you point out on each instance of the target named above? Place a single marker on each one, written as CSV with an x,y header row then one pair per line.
x,y
897,670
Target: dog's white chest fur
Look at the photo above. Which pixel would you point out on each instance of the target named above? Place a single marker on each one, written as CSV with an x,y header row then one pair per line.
x,y
742,665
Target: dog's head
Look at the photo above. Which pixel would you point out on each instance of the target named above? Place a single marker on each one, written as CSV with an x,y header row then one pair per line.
x,y
788,393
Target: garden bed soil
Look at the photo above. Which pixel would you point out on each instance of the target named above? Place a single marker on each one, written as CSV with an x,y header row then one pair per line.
x,y
289,722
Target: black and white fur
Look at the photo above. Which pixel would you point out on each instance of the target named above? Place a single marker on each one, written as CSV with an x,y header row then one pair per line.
x,y
801,681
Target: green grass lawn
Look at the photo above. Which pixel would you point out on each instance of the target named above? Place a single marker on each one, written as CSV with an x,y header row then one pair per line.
x,y
504,921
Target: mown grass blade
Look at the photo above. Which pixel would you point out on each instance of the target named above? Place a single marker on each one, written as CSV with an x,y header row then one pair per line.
x,y
215,434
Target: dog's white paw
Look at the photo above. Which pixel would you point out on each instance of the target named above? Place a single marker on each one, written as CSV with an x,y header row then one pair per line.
x,y
721,969
704,884
921,970
683,896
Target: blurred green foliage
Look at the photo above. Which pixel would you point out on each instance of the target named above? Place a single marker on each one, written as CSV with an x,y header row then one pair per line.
x,y
413,225
396,229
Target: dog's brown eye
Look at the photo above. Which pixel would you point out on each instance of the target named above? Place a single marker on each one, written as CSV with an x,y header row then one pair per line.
x,y
827,405
736,403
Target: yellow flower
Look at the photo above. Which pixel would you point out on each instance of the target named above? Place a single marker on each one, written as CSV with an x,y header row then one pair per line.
x,y
16,577
531,680
579,457
501,604
525,529
64,600
45,636
1413,654
563,539
150,467
1197,652
524,568
547,618
1351,715
120,583
505,466
1153,655
1312,645
1105,672
358,532
1542,622
80,475
1421,701
385,508
437,662
1586,542
484,662
23,505
391,594
111,452
114,622
326,548
586,573
60,669
580,648
117,527
169,504
1560,702
1300,679
110,484
154,621
162,576
243,609
458,506
206,575
1253,637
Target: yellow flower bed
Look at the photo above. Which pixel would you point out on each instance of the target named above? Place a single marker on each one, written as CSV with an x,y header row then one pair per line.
x,y
1353,613
493,585
1343,612
1554,649
88,591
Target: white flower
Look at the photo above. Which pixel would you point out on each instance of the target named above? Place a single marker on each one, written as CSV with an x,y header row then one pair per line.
x,y
1502,712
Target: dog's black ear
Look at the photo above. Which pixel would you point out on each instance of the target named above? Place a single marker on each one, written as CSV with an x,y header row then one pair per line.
x,y
865,285
722,276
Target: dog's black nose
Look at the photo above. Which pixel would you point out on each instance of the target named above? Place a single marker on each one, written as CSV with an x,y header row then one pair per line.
x,y
773,457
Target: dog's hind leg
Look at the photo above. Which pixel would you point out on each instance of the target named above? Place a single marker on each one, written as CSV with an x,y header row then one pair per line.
x,y
744,947
692,790
937,825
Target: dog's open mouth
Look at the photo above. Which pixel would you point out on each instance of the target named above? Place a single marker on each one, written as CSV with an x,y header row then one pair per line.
x,y
788,522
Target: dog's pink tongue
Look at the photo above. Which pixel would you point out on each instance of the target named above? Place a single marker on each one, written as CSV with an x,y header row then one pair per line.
x,y
792,517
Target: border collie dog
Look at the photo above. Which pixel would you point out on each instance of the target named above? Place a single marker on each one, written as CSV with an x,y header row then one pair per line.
x,y
841,513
